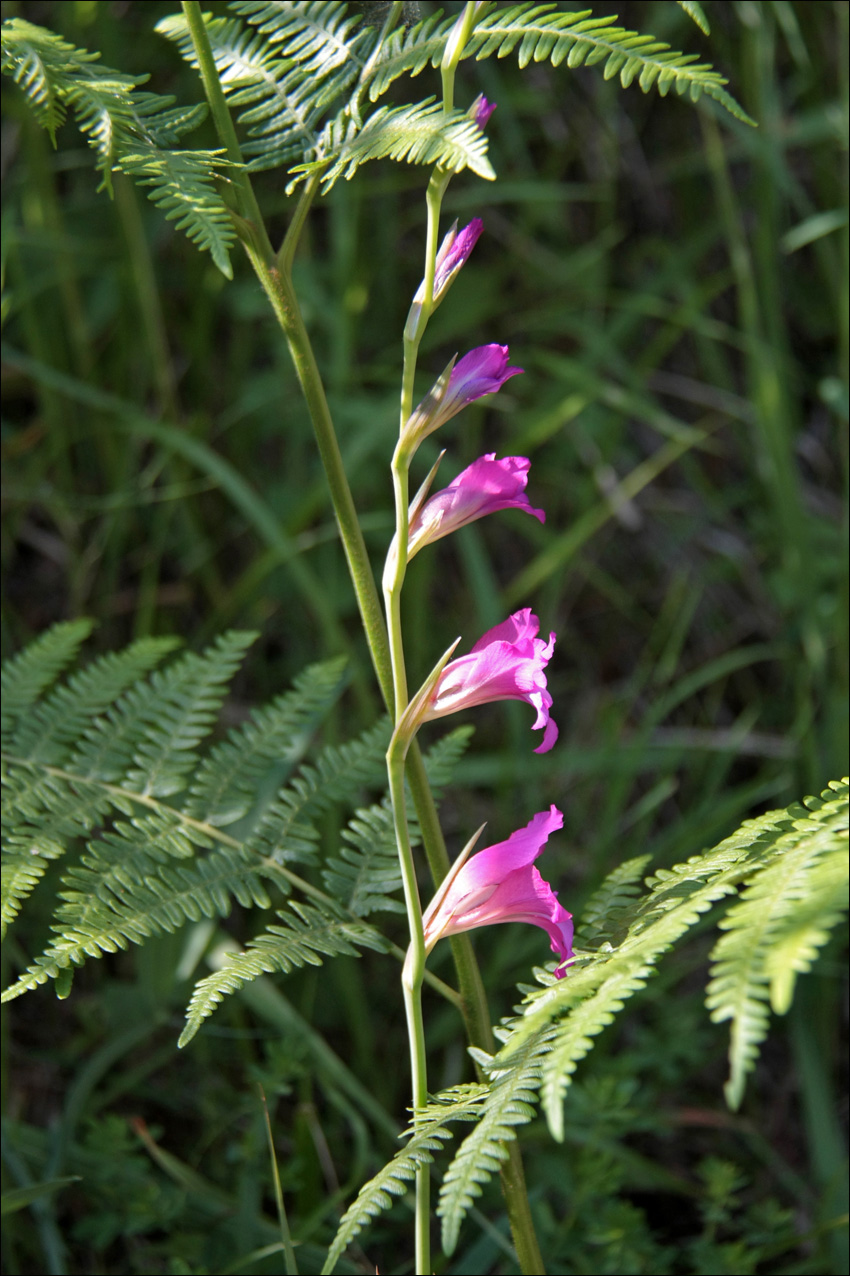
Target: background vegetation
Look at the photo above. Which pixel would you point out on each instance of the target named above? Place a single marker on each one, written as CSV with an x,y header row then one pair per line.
x,y
675,286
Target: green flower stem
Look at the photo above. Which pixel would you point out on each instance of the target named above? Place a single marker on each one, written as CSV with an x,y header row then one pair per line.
x,y
455,45
412,976
275,278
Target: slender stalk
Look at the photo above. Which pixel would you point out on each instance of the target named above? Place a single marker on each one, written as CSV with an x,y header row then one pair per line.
x,y
412,976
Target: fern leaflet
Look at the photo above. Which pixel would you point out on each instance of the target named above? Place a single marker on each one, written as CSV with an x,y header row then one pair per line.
x,y
508,1103
308,933
227,779
421,134
37,667
544,32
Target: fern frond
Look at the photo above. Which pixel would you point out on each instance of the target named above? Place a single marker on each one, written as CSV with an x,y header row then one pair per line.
x,y
366,872
598,985
227,780
285,75
46,734
318,34
25,862
31,60
28,674
509,1102
443,756
308,933
409,51
695,11
545,32
181,706
127,128
602,914
774,931
121,893
420,134
182,185
43,815
426,1137
286,832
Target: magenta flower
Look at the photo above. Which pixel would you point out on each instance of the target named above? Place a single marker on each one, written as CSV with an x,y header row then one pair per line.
x,y
501,884
507,663
485,486
481,110
483,371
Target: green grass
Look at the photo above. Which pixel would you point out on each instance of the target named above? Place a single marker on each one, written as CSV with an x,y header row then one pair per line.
x,y
674,285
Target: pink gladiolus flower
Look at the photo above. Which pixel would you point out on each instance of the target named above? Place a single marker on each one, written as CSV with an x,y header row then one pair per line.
x,y
481,110
484,486
483,371
501,884
507,663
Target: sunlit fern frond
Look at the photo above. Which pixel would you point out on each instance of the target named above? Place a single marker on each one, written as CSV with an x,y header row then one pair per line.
x,y
545,32
226,783
127,128
773,933
429,1134
421,134
508,1102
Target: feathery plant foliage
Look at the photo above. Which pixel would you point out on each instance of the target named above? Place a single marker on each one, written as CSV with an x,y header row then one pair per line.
x,y
135,132
790,867
299,75
122,738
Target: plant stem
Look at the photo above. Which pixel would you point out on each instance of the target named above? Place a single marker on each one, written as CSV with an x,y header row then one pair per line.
x,y
412,976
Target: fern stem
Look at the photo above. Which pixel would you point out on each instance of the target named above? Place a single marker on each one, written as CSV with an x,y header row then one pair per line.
x,y
246,199
286,252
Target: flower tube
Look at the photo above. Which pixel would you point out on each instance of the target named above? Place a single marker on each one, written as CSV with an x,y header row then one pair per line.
x,y
501,884
507,663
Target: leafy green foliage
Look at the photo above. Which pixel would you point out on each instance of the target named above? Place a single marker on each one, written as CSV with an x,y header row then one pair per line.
x,y
785,914
117,739
545,33
793,860
508,1103
284,76
308,933
128,129
422,134
427,1136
